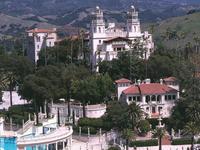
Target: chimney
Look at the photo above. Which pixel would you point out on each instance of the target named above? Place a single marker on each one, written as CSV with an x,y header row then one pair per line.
x,y
161,81
147,81
138,82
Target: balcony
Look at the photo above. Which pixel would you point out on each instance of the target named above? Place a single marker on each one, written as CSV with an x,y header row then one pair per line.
x,y
56,135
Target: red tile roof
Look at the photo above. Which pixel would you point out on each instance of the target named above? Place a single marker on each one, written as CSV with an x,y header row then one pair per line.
x,y
170,79
36,30
152,88
123,80
155,115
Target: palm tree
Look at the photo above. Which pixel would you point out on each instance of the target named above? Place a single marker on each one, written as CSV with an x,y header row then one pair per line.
x,y
193,129
135,113
128,135
159,132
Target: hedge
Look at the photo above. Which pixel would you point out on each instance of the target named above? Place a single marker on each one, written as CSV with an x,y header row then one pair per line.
x,y
96,123
114,148
153,142
183,141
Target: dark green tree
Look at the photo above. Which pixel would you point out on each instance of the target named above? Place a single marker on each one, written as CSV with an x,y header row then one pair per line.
x,y
70,74
116,113
92,90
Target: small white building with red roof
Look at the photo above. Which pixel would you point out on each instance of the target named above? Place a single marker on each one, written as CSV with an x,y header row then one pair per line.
x,y
122,84
39,39
154,98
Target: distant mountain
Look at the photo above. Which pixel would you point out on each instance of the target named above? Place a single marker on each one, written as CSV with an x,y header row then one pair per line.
x,y
78,12
176,32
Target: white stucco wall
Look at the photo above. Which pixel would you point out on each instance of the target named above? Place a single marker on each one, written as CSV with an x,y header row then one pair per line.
x,y
16,99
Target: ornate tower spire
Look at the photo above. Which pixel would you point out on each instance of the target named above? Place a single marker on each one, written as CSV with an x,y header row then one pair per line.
x,y
98,24
133,23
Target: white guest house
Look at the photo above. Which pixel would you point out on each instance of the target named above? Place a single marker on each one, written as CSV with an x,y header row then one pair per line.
x,y
106,40
154,98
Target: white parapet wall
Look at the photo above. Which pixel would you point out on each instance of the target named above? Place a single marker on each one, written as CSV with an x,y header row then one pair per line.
x,y
92,111
16,99
164,147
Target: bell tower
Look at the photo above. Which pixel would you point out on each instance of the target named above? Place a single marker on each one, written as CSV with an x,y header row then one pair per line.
x,y
133,23
98,24
97,34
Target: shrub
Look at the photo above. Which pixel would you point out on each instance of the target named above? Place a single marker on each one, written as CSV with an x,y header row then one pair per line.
x,y
153,142
95,123
114,148
144,127
153,122
183,141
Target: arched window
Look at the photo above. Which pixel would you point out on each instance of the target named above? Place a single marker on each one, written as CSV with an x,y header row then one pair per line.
x,y
135,28
159,98
153,98
147,99
99,30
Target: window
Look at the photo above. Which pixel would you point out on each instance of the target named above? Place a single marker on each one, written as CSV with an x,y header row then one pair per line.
x,y
99,41
138,98
130,98
99,30
169,97
166,97
153,98
118,49
38,46
38,38
50,44
135,28
147,108
147,99
174,97
134,98
159,98
153,109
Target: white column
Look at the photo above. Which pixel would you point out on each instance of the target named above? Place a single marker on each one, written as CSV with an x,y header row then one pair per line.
x,y
45,109
70,142
63,144
47,146
56,145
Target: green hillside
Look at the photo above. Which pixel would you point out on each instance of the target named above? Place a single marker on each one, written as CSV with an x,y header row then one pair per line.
x,y
176,32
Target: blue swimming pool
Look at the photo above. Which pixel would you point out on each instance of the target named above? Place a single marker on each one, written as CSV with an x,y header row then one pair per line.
x,y
8,143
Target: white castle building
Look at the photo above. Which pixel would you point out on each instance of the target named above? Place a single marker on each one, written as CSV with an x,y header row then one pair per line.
x,y
155,99
107,40
39,39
